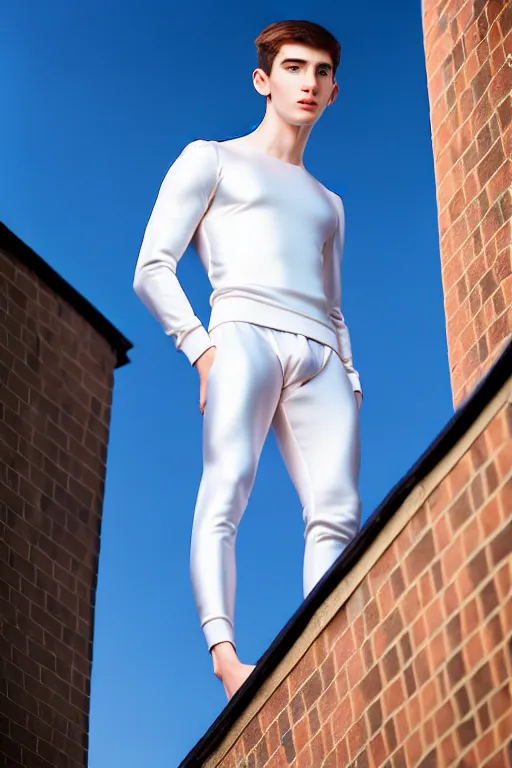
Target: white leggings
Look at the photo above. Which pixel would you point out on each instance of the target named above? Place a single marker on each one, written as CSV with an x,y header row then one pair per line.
x,y
263,378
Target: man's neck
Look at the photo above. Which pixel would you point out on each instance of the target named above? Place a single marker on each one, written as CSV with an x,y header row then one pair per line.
x,y
284,144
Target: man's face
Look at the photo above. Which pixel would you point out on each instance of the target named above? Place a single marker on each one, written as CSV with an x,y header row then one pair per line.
x,y
300,73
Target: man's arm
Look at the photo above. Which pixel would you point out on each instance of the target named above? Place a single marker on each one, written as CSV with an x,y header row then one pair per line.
x,y
333,254
182,200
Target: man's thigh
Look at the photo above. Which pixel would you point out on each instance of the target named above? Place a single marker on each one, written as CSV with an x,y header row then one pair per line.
x,y
244,386
317,430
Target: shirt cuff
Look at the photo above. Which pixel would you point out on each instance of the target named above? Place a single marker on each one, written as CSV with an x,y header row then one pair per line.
x,y
356,383
195,343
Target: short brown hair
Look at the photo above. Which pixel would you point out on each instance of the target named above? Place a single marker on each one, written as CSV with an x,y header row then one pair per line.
x,y
270,40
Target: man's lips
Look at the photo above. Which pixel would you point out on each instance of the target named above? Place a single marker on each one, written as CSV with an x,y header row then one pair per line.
x,y
308,105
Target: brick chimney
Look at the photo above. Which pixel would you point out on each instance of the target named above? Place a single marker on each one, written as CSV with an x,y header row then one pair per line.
x,y
57,361
468,50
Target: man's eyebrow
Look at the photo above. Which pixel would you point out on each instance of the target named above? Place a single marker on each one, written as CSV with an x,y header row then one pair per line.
x,y
324,64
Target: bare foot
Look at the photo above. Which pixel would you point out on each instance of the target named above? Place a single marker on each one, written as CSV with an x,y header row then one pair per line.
x,y
234,676
228,668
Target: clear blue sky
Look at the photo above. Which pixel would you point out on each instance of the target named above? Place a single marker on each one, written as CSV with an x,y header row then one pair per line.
x,y
99,99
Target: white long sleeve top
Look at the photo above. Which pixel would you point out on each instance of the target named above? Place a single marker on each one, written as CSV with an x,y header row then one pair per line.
x,y
269,235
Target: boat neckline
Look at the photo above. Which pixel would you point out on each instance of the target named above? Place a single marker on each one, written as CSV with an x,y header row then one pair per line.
x,y
259,151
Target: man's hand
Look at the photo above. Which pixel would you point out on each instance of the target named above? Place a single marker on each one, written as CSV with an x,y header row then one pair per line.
x,y
203,365
359,399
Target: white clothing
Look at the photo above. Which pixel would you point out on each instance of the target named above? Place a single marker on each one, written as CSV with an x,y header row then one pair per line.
x,y
270,237
260,379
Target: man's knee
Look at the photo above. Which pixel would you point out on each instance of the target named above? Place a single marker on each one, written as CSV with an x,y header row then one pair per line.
x,y
336,515
227,484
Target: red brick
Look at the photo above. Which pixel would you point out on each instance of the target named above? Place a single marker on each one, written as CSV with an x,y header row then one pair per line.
x,y
356,737
503,581
327,671
484,747
40,370
471,537
283,722
490,517
312,690
442,534
444,718
341,683
355,669
500,702
358,631
371,614
358,702
301,734
473,651
433,616
409,605
252,735
377,749
356,602
320,649
314,721
274,706
339,756
317,750
328,702
413,749
427,736
425,589
327,736
301,672
393,697
335,629
421,667
499,669
504,460
341,720
420,556
461,474
385,599
482,80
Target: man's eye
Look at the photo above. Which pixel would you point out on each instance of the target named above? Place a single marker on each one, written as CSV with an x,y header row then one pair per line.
x,y
324,72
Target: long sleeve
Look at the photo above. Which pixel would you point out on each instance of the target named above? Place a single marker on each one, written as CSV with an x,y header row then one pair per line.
x,y
183,198
333,254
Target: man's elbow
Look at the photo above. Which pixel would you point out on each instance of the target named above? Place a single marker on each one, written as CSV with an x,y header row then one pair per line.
x,y
139,280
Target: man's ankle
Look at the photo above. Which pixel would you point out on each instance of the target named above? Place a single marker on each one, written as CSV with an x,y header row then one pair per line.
x,y
224,648
223,653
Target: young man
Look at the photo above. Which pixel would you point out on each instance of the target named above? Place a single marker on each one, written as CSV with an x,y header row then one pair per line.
x,y
277,352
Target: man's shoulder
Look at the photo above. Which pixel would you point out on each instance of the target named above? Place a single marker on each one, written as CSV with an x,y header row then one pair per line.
x,y
199,145
335,198
200,154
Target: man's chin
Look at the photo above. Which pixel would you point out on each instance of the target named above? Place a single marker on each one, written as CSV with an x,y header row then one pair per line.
x,y
305,121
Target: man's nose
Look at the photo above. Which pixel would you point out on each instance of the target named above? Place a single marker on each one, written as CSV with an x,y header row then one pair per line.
x,y
310,91
310,83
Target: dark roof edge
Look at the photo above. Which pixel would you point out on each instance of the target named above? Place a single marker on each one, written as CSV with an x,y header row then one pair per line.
x,y
455,429
17,248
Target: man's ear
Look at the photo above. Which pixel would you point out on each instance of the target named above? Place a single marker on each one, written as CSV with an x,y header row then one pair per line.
x,y
261,82
334,94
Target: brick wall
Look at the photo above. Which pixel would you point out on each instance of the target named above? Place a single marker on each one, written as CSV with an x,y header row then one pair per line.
x,y
415,668
56,376
469,84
